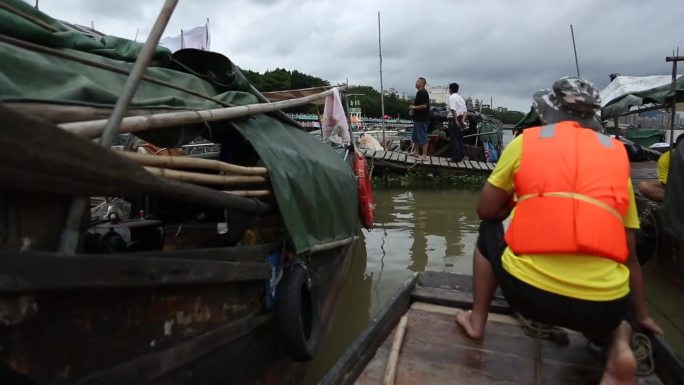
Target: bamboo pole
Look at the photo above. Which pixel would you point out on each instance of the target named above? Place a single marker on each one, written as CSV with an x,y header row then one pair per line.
x,y
196,177
93,128
165,161
391,370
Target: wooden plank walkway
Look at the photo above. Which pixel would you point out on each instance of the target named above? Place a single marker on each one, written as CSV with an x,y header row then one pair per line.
x,y
403,161
400,160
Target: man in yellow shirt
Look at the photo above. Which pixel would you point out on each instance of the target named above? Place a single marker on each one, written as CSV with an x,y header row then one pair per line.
x,y
590,293
655,190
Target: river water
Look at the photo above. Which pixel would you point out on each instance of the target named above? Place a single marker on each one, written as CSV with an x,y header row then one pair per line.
x,y
415,230
428,229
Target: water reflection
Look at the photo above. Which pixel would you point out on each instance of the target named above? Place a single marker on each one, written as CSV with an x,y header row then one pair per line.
x,y
419,230
415,230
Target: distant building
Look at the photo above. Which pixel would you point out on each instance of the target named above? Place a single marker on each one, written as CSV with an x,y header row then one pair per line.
x,y
438,94
502,109
486,107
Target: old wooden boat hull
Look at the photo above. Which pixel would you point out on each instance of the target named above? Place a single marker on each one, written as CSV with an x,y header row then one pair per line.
x,y
436,351
176,318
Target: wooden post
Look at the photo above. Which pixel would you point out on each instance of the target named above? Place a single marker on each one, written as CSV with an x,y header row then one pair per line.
x,y
674,60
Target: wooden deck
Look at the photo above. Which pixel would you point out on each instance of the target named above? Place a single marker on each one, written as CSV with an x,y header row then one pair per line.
x,y
435,350
402,161
405,161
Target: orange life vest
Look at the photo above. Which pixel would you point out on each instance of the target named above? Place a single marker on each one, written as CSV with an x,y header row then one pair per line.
x,y
572,193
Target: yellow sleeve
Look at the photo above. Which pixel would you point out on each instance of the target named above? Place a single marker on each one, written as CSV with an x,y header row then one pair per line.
x,y
507,166
632,218
664,167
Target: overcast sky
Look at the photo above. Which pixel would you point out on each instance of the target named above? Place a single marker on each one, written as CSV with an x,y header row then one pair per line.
x,y
502,49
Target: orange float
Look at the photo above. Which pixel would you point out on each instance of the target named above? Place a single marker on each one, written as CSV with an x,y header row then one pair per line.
x,y
365,191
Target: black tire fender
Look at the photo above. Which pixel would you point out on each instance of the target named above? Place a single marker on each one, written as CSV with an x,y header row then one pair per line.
x,y
298,314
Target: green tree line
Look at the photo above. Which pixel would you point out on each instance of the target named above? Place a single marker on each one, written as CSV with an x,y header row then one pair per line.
x,y
369,100
281,79
508,117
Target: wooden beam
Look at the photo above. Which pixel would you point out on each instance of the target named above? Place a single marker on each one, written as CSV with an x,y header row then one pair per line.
x,y
18,272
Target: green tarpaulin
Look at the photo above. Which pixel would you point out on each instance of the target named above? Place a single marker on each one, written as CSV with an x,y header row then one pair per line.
x,y
644,136
315,189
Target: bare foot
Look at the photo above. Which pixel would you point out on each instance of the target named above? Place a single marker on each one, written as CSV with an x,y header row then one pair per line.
x,y
621,364
463,319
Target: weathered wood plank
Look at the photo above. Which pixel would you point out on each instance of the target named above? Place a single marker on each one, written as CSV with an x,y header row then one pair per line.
x,y
437,351
454,298
255,253
151,366
18,271
473,164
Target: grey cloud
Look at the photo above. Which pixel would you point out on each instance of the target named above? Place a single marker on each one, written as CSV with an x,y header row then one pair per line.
x,y
498,48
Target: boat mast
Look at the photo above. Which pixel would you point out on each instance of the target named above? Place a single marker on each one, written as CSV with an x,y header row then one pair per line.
x,y
382,91
674,59
574,48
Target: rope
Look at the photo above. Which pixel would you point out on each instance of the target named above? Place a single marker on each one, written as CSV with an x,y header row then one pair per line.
x,y
643,352
543,331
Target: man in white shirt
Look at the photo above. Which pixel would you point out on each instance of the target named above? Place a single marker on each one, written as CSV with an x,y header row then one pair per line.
x,y
456,114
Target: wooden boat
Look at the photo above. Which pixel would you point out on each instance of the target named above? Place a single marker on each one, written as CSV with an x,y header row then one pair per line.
x,y
434,350
120,267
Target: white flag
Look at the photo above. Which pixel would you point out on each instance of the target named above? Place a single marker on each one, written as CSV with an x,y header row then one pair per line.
x,y
197,37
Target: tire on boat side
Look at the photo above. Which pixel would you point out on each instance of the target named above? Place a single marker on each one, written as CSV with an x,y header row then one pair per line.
x,y
298,315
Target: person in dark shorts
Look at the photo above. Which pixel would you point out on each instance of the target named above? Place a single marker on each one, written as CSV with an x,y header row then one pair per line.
x,y
557,233
420,109
457,110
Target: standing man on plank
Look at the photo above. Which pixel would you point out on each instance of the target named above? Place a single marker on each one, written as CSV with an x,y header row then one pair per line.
x,y
421,118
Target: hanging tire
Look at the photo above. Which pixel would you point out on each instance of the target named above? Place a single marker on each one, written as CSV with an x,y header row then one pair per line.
x,y
298,315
